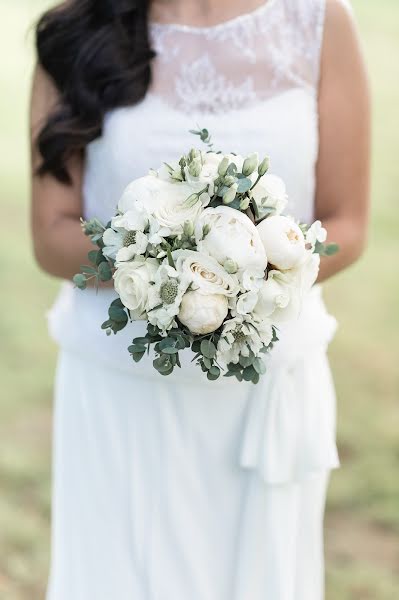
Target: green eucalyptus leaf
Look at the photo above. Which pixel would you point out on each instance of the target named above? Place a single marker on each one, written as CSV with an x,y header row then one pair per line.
x,y
208,349
249,373
137,348
244,185
259,366
104,271
117,314
246,361
80,281
88,270
207,362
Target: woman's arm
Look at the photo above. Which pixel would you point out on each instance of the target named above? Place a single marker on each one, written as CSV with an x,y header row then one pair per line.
x,y
59,244
342,194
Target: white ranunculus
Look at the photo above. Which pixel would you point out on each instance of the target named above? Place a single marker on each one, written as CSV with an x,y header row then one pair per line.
x,y
270,195
283,241
232,235
204,273
201,313
132,281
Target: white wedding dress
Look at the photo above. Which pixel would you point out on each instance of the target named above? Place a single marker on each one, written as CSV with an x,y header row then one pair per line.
x,y
178,488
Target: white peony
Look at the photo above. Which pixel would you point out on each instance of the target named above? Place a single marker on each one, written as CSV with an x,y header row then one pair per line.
x,y
204,273
201,313
282,295
279,298
270,195
231,236
283,241
132,281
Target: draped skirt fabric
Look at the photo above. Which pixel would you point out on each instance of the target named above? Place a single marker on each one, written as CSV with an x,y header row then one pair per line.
x,y
182,489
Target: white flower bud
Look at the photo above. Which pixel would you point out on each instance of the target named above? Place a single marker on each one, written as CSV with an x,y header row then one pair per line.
x,y
223,166
188,228
230,266
195,168
229,180
244,204
230,195
264,166
250,164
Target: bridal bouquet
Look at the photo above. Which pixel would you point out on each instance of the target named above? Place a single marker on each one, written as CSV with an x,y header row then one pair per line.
x,y
200,250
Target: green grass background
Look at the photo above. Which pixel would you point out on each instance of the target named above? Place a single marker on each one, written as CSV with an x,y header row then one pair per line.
x,y
362,525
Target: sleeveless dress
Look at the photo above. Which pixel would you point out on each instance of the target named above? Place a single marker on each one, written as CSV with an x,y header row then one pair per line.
x,y
178,488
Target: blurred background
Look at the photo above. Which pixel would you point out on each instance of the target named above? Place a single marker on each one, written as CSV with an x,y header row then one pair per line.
x,y
362,524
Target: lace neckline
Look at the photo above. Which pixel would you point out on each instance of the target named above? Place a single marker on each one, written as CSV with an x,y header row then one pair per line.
x,y
228,23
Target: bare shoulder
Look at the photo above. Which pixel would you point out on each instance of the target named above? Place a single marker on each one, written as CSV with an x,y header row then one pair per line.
x,y
341,51
340,25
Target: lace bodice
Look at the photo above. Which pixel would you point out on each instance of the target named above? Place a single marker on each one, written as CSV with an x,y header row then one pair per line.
x,y
252,81
239,62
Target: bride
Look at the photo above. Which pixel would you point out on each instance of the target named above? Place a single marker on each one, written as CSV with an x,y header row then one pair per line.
x,y
177,488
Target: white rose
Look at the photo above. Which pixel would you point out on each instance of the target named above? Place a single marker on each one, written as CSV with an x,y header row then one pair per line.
x,y
163,200
139,193
270,195
203,314
204,273
283,241
232,236
132,281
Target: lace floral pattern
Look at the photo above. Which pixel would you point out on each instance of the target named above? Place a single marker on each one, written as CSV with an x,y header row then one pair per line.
x,y
242,61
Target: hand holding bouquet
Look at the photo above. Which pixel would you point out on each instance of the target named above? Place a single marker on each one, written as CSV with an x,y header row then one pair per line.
x,y
186,257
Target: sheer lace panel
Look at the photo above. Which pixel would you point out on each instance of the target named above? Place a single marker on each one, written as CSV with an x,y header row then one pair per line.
x,y
245,60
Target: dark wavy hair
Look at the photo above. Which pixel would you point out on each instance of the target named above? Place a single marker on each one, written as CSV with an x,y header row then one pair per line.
x,y
98,54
